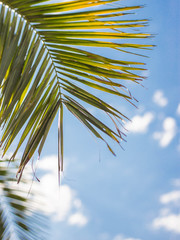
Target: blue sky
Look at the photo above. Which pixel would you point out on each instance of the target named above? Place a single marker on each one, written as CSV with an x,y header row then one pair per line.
x,y
136,195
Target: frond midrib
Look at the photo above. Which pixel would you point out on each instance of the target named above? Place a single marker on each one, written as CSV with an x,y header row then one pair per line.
x,y
53,43
32,27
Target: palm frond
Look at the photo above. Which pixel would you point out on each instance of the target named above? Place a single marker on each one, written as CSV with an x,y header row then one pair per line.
x,y
18,219
44,66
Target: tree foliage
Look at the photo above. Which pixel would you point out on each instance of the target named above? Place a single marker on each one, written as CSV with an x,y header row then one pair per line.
x,y
48,62
18,216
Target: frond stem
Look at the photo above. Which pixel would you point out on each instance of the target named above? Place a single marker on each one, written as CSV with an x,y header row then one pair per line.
x,y
46,47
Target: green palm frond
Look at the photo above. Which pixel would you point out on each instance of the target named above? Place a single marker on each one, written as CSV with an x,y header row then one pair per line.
x,y
47,63
18,218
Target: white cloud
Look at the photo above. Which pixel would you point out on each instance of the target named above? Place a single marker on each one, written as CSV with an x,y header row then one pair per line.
x,y
178,110
139,123
77,203
168,218
171,197
170,222
168,133
160,99
78,219
120,237
60,202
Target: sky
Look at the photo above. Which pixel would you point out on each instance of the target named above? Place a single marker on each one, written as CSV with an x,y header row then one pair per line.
x,y
136,195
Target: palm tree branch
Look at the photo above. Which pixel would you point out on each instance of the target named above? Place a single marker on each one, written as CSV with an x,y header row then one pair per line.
x,y
45,41
16,210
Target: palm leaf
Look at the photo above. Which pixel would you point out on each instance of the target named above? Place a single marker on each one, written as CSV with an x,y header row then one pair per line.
x,y
18,219
44,66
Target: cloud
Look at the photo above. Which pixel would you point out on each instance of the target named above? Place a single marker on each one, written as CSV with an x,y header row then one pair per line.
x,y
168,133
160,99
171,197
139,123
61,203
120,237
78,219
170,222
168,218
178,110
